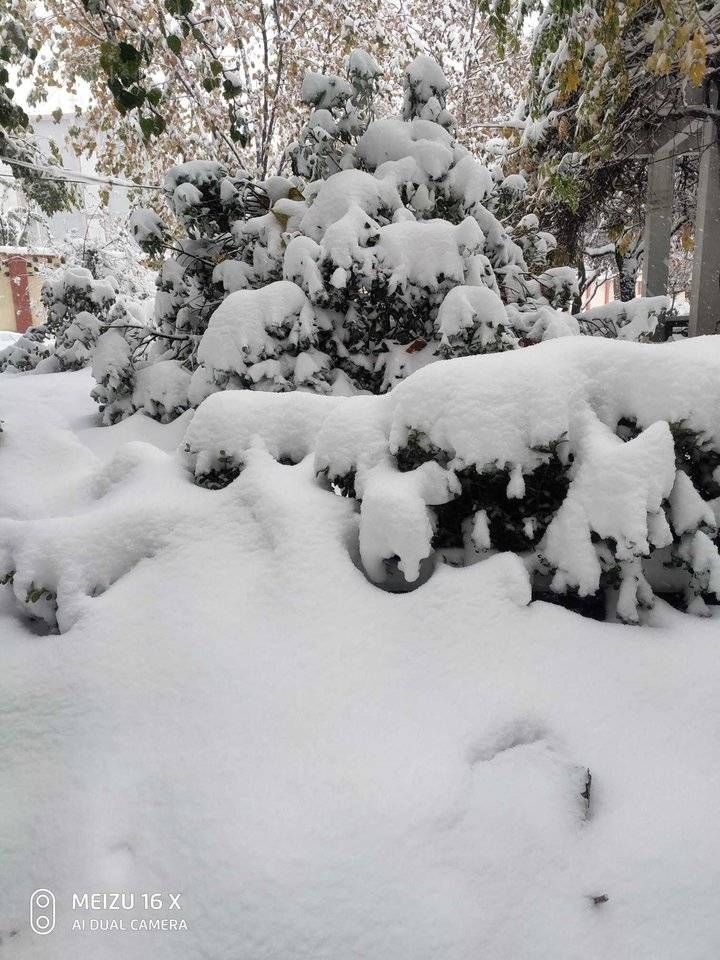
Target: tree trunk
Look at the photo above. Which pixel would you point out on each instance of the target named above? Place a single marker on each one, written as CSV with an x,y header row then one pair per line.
x,y
627,268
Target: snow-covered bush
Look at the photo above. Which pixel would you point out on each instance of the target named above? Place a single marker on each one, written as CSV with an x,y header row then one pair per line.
x,y
272,345
597,461
425,92
634,319
228,247
223,431
77,308
27,352
106,248
114,363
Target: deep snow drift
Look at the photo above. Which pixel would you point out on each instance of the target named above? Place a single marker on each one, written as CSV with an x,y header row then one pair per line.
x,y
322,769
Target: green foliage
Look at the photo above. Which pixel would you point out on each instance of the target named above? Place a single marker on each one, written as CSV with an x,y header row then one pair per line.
x,y
515,523
127,60
698,457
418,449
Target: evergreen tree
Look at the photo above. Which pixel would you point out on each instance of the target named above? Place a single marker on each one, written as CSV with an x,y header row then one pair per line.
x,y
336,283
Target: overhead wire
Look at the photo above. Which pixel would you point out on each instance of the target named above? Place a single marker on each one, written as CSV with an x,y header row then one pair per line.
x,y
63,175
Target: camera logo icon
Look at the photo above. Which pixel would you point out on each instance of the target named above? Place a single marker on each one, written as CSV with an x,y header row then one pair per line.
x,y
42,912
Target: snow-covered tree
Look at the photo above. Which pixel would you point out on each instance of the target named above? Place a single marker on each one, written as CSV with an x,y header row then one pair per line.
x,y
391,257
603,79
105,247
77,306
343,107
34,346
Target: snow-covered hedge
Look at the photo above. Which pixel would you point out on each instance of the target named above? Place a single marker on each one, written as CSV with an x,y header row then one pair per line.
x,y
596,460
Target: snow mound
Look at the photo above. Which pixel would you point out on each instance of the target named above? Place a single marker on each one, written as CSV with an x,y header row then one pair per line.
x,y
475,316
427,143
161,389
324,91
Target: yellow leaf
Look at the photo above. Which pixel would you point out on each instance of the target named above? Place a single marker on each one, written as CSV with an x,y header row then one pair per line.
x,y
683,34
694,63
282,218
571,78
687,241
662,63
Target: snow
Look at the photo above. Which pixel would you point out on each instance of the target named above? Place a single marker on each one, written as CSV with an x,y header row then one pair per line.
x,y
198,172
560,281
467,309
616,487
324,91
321,768
340,192
673,382
421,254
146,225
545,323
229,425
362,64
417,258
233,275
323,119
470,182
427,143
162,389
325,769
8,338
245,332
111,355
688,510
185,197
300,265
509,412
514,184
394,516
426,78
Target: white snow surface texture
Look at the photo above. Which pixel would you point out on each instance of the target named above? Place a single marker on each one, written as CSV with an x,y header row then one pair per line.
x,y
323,770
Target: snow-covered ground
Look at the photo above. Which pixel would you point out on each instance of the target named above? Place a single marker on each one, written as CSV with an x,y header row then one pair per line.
x,y
7,338
320,769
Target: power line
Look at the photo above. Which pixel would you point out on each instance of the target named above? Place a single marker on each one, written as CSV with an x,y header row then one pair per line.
x,y
75,176
82,183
